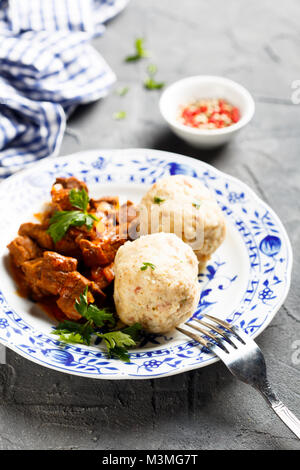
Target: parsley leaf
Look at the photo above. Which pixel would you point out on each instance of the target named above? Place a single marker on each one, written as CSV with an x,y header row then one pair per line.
x,y
146,265
82,304
118,115
91,312
197,205
152,69
79,199
116,342
150,83
134,331
99,316
61,221
89,220
139,46
116,338
122,91
120,352
140,52
158,200
70,337
72,332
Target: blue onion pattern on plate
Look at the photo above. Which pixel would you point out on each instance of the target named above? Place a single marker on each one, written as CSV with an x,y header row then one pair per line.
x,y
245,282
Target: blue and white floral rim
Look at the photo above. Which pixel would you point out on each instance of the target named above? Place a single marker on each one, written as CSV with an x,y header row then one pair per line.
x,y
245,282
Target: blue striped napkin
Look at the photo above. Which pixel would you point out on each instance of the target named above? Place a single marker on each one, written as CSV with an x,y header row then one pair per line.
x,y
47,68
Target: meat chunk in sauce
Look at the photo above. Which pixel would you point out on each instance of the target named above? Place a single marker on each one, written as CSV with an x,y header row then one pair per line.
x,y
60,277
104,205
74,286
103,276
57,275
69,244
71,183
23,249
100,252
37,232
55,271
32,271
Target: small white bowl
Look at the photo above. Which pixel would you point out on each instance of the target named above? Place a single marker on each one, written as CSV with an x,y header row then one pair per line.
x,y
192,89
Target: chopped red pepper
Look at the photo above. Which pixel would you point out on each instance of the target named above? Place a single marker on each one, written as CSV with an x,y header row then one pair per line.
x,y
209,114
235,115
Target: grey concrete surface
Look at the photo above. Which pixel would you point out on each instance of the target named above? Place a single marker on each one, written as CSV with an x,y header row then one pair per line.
x,y
256,43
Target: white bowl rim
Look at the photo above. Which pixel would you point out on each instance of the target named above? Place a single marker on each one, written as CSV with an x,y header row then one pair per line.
x,y
210,132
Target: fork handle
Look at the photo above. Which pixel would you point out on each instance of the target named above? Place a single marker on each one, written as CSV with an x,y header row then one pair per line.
x,y
281,410
287,417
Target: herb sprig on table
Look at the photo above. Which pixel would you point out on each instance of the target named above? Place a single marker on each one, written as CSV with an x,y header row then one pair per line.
x,y
150,83
140,51
116,341
118,115
122,91
61,221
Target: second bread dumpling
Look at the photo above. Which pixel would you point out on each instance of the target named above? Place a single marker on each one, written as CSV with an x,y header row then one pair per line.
x,y
183,205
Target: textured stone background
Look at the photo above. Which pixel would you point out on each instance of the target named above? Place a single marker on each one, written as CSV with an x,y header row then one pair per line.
x,y
256,43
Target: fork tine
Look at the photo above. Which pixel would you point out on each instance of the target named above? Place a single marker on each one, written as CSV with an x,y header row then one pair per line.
x,y
216,329
197,338
225,325
210,335
217,320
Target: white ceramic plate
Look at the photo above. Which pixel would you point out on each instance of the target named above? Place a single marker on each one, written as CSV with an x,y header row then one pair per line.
x,y
245,282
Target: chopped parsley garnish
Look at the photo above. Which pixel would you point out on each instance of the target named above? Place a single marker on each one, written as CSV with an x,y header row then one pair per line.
x,y
140,51
152,69
146,265
92,312
122,91
158,200
72,332
134,331
118,115
116,342
150,83
197,204
79,199
61,221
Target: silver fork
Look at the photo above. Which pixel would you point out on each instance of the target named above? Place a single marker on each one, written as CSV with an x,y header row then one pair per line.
x,y
242,357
